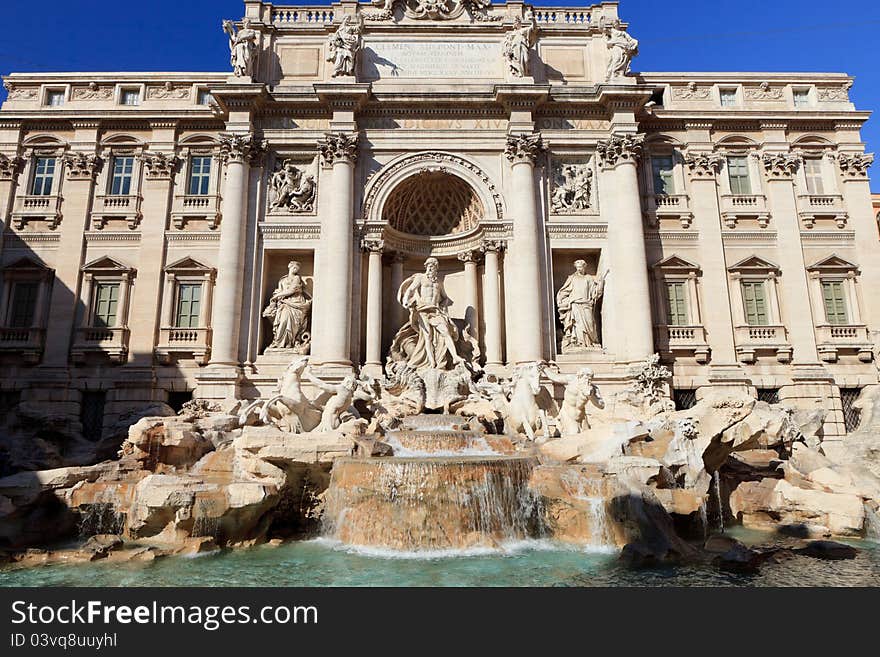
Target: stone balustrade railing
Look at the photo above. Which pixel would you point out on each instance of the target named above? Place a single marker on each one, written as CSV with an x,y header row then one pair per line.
x,y
186,342
301,16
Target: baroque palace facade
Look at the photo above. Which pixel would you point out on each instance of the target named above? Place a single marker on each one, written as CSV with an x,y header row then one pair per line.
x,y
579,213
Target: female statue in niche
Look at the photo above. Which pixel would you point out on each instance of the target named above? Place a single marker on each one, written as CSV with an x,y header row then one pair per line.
x,y
290,307
577,300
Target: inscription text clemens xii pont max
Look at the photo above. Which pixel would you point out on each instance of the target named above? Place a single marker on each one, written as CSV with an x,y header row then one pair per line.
x,y
431,59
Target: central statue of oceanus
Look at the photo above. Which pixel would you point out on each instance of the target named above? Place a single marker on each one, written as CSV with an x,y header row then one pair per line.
x,y
431,342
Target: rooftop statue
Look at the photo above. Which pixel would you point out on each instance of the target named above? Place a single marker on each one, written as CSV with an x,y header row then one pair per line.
x,y
242,47
623,48
344,45
518,44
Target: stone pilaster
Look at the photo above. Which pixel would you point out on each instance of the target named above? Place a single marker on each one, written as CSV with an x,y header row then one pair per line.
x,y
780,169
159,170
703,168
857,200
80,168
525,335
333,279
628,281
236,152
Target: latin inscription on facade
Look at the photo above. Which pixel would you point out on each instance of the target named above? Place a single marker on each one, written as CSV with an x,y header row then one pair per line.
x,y
431,59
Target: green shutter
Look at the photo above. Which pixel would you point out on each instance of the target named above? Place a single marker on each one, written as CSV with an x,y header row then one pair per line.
x,y
189,298
755,303
835,304
663,180
24,303
738,174
106,303
676,305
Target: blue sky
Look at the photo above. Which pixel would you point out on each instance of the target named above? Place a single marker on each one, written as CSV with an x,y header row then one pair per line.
x,y
675,35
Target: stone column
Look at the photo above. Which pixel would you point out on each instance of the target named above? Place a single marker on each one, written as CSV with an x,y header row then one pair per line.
x,y
236,151
10,167
77,192
472,312
780,168
703,168
158,174
398,313
331,343
492,303
524,264
374,304
628,279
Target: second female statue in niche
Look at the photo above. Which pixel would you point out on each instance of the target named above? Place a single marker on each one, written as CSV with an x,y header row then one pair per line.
x,y
290,308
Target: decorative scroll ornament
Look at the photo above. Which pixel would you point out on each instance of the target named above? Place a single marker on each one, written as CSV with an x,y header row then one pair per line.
x,y
780,165
159,165
93,92
834,94
620,149
168,91
690,92
703,165
438,10
492,246
9,166
241,147
337,147
373,244
81,166
293,189
855,165
469,256
523,148
764,92
572,186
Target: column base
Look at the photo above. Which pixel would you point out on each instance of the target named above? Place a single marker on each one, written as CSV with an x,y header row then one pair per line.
x,y
218,382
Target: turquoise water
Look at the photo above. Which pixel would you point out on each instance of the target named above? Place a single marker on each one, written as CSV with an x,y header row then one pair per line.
x,y
323,563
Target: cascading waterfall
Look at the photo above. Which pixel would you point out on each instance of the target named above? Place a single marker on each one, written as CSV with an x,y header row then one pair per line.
x,y
590,490
432,503
716,490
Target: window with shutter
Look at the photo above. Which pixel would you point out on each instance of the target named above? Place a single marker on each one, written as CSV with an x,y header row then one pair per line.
x,y
676,304
189,297
662,170
813,173
755,303
24,304
106,304
738,174
835,302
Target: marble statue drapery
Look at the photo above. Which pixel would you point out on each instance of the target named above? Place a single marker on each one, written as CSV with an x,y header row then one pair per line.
x,y
290,307
577,300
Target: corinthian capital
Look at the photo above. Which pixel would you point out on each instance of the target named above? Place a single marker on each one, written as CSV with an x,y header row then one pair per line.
x,y
780,166
855,165
373,244
159,165
523,148
9,166
241,147
703,165
620,149
81,166
338,147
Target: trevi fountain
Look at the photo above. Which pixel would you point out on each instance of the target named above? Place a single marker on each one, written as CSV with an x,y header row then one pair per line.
x,y
520,432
